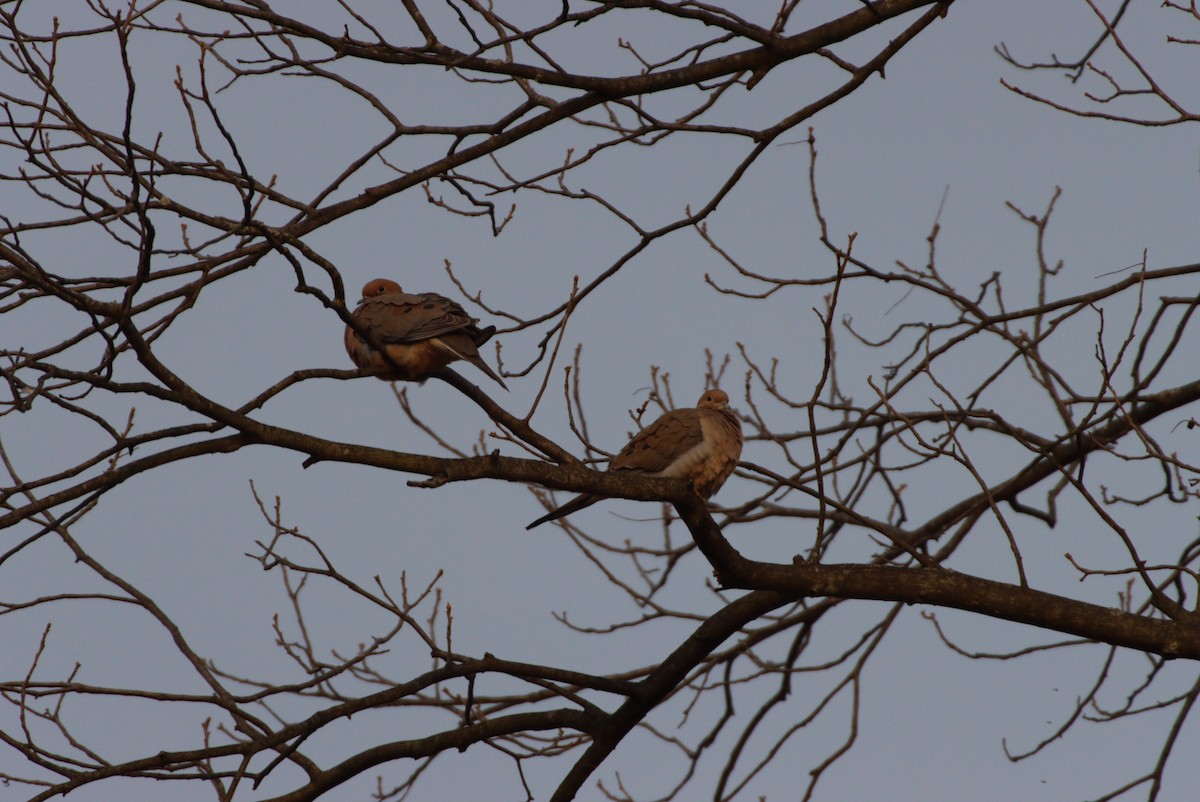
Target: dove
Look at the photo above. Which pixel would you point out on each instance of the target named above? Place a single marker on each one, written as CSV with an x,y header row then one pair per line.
x,y
418,334
701,445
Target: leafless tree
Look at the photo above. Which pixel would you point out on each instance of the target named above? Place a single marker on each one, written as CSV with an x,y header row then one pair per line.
x,y
839,463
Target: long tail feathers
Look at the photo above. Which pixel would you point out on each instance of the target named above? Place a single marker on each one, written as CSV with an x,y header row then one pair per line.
x,y
574,505
462,347
478,362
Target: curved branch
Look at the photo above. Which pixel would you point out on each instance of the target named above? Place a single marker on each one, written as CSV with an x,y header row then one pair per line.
x,y
941,587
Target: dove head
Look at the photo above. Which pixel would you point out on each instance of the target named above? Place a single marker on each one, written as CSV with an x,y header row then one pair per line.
x,y
379,286
714,399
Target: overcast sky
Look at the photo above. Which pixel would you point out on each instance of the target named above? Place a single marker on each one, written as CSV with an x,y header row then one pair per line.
x,y
939,133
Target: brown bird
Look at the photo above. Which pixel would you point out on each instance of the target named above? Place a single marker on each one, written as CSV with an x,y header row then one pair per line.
x,y
702,445
418,333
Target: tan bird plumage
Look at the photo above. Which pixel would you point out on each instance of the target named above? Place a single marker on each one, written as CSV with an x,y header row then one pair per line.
x,y
418,333
702,445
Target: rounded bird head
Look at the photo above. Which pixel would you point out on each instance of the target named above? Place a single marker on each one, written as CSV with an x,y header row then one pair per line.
x,y
714,399
379,286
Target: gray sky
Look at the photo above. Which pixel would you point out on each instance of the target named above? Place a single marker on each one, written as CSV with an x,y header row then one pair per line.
x,y
939,132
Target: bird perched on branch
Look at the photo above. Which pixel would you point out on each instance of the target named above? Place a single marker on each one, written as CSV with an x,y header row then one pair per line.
x,y
416,334
701,445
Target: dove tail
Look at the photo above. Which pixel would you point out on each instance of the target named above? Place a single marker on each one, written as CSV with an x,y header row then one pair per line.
x,y
574,505
461,347
478,362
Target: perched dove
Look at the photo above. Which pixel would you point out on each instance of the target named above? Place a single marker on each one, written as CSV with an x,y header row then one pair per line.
x,y
419,333
701,444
